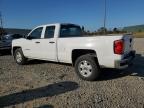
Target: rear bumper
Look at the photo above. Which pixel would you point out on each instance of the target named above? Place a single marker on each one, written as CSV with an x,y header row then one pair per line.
x,y
124,63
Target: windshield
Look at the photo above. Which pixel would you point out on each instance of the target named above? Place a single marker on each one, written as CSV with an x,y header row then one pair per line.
x,y
70,31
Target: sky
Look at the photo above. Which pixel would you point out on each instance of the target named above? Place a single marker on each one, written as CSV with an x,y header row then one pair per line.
x,y
89,13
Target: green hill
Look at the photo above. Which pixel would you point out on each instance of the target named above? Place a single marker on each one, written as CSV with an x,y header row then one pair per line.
x,y
137,28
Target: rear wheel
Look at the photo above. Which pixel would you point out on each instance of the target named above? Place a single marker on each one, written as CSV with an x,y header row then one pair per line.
x,y
87,67
19,57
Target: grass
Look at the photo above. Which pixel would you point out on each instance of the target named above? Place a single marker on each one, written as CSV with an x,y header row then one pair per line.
x,y
139,35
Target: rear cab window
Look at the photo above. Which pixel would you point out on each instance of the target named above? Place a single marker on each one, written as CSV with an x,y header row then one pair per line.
x,y
70,30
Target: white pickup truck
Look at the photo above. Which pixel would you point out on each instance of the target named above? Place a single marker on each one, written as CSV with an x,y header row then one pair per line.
x,y
66,43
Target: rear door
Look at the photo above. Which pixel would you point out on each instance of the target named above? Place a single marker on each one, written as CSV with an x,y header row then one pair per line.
x,y
48,44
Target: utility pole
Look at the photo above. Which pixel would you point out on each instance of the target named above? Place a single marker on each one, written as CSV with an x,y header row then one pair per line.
x,y
105,15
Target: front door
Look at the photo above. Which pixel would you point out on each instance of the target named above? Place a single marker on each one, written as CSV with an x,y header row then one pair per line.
x,y
32,47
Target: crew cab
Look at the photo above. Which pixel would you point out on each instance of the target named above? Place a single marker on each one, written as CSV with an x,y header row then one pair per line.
x,y
66,43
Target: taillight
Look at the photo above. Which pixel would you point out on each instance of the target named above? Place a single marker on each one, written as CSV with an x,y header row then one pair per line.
x,y
119,46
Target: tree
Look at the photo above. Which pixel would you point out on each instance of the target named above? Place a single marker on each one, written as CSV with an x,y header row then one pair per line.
x,y
2,32
83,29
139,30
115,30
102,30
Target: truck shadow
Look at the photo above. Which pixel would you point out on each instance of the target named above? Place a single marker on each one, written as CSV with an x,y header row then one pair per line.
x,y
37,62
137,69
47,91
46,106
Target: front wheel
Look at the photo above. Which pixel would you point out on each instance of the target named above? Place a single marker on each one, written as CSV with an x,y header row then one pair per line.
x,y
87,67
19,57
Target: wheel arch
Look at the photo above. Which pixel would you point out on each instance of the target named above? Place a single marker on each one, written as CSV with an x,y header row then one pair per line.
x,y
14,49
79,52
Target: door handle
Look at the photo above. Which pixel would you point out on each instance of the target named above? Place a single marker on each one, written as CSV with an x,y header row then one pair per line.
x,y
37,42
51,42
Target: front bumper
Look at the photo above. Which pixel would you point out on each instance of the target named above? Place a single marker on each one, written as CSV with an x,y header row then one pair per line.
x,y
126,61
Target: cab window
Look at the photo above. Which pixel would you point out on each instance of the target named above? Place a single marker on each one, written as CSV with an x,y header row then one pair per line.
x,y
70,30
49,33
36,34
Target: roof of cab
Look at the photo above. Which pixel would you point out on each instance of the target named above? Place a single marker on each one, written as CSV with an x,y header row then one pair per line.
x,y
56,24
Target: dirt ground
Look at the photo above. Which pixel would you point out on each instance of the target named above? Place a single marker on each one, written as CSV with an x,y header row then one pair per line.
x,y
41,84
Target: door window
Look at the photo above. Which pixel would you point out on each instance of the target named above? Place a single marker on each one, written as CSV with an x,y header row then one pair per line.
x,y
36,34
49,33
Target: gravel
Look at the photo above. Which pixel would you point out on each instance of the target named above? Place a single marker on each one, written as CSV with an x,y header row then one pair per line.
x,y
42,84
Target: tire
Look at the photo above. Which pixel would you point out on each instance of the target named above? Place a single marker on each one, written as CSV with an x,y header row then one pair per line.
x,y
87,67
19,57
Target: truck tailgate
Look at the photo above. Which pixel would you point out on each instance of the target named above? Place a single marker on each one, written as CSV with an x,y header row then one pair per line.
x,y
128,43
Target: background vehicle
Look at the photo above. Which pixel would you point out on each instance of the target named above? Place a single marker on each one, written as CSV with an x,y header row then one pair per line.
x,y
6,41
66,43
